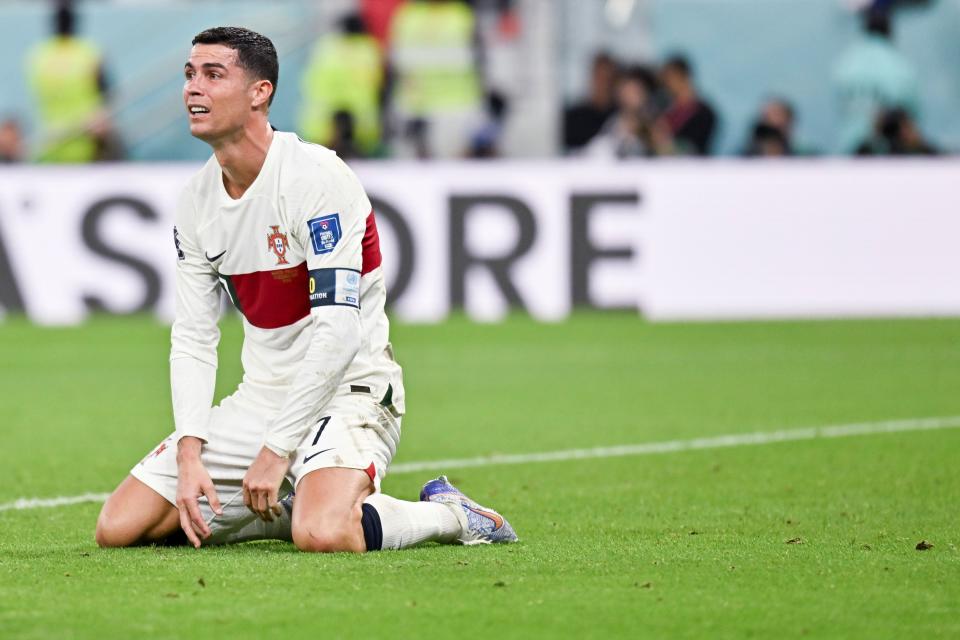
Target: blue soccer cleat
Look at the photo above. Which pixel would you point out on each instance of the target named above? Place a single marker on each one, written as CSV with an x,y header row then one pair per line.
x,y
287,503
479,524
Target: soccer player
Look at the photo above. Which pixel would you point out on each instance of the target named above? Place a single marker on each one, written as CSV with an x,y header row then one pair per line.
x,y
287,230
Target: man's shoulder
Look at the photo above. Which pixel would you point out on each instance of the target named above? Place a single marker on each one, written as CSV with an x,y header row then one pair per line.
x,y
204,178
198,190
309,168
306,159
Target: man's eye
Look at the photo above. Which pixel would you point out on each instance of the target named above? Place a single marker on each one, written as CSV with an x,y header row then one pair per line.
x,y
215,75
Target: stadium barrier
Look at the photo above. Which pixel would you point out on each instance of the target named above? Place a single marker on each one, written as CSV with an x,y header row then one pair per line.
x,y
673,240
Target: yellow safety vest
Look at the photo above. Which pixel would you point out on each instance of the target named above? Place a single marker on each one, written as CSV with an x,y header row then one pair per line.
x,y
63,75
345,73
433,53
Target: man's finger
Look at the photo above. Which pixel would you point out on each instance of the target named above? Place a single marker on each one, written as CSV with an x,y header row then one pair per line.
x,y
247,502
193,507
187,527
273,504
211,493
262,507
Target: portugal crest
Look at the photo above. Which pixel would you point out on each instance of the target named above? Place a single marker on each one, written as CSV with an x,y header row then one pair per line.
x,y
277,242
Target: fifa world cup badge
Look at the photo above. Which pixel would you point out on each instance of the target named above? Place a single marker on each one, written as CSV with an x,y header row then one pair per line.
x,y
277,242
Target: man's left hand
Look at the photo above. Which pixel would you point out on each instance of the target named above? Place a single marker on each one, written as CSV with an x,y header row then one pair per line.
x,y
262,483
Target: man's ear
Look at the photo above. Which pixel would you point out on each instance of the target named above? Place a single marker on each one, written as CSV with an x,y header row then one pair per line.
x,y
261,91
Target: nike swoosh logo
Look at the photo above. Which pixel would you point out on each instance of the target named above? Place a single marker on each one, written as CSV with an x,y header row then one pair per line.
x,y
306,459
497,519
216,257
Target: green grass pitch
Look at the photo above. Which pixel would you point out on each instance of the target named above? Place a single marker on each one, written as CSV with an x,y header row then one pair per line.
x,y
690,544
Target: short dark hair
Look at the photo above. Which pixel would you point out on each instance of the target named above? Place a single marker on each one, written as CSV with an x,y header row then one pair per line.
x,y
679,63
255,52
64,20
642,74
877,22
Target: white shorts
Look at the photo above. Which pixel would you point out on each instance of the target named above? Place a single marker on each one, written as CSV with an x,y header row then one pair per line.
x,y
355,432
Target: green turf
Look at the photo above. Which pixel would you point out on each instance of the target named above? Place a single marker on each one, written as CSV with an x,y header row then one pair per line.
x,y
687,544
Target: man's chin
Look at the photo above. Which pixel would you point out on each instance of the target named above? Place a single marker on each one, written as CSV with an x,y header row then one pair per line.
x,y
201,131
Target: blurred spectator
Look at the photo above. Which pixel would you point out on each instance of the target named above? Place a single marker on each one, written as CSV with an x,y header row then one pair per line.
x,y
11,142
772,133
895,133
109,146
415,137
343,139
485,142
689,119
438,96
767,142
871,76
507,16
67,77
629,131
344,75
583,121
377,16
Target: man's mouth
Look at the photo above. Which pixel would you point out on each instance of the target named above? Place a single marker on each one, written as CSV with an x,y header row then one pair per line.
x,y
197,110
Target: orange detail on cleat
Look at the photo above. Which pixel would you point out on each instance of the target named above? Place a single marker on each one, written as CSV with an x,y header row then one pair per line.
x,y
497,519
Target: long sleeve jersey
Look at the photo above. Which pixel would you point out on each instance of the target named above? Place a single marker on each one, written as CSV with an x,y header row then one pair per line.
x,y
299,256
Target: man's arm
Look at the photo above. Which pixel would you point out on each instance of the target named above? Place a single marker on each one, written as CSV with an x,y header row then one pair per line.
x,y
193,367
335,342
195,334
334,258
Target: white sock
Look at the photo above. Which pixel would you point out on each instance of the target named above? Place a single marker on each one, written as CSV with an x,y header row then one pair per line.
x,y
405,524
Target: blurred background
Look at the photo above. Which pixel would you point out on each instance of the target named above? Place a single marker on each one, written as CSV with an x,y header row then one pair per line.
x,y
533,154
511,78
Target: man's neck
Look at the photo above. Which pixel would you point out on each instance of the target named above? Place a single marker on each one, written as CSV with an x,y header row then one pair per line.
x,y
242,156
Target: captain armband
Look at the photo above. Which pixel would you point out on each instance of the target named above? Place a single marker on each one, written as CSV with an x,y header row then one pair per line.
x,y
334,287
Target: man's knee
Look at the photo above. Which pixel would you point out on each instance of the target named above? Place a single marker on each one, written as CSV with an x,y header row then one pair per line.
x,y
135,514
115,531
329,534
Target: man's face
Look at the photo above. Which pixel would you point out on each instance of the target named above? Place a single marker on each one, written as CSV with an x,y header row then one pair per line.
x,y
777,116
631,95
217,92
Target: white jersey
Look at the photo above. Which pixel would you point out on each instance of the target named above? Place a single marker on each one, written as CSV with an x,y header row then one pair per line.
x,y
299,256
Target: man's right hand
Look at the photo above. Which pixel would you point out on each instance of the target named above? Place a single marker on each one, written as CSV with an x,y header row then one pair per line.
x,y
193,481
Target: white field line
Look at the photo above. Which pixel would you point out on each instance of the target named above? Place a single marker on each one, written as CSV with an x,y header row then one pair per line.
x,y
650,448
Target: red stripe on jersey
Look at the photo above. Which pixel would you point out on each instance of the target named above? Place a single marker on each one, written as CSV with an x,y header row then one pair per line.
x,y
273,299
371,247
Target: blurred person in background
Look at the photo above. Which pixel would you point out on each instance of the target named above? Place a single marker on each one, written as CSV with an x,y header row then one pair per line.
x,y
344,76
377,16
896,134
437,95
485,141
504,12
767,142
690,121
66,74
11,142
772,132
871,76
583,120
343,140
628,133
